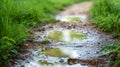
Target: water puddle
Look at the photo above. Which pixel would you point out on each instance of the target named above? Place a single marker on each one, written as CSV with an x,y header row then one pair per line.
x,y
43,63
52,57
55,52
65,52
82,45
66,36
56,64
72,18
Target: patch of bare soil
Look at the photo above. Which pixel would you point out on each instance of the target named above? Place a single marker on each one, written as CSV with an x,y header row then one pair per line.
x,y
80,8
93,62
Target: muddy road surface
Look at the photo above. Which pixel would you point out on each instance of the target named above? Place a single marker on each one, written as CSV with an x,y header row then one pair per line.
x,y
71,42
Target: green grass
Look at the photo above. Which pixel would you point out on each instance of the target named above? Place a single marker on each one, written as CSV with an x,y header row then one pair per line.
x,y
18,16
12,33
113,53
106,15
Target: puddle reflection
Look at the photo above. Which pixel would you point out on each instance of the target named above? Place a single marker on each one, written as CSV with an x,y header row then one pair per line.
x,y
72,18
66,36
59,52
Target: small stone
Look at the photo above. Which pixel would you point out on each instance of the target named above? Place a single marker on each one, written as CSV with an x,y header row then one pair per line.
x,y
88,53
26,45
15,62
97,52
61,60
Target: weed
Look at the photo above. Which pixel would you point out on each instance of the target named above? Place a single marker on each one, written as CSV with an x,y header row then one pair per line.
x,y
113,52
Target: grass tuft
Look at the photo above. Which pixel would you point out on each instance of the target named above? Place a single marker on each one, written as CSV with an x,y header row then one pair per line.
x,y
106,15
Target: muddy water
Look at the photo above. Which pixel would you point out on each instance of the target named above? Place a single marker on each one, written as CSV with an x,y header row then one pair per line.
x,y
66,36
72,18
71,42
74,40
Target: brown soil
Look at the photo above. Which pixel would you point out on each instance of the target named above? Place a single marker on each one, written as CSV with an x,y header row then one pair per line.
x,y
80,8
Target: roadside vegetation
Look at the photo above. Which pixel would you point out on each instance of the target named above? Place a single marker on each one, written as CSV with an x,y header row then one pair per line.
x,y
18,16
106,15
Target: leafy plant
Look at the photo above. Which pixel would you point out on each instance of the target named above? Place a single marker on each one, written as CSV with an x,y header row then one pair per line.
x,y
6,46
113,52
